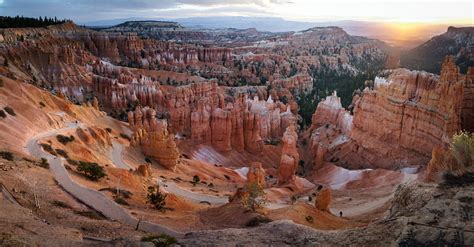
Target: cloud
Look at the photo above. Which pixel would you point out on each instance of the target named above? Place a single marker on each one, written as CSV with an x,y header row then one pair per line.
x,y
264,3
92,10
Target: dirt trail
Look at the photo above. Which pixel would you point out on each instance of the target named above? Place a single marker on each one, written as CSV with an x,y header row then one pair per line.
x,y
91,198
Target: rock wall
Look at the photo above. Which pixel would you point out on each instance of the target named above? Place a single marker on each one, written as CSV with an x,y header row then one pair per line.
x,y
289,156
151,134
331,126
401,120
467,113
302,82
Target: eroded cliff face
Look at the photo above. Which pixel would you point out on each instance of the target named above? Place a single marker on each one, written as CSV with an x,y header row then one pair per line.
x,y
256,174
467,113
289,156
152,135
395,124
331,127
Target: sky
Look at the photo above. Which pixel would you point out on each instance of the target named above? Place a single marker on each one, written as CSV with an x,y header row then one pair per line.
x,y
423,11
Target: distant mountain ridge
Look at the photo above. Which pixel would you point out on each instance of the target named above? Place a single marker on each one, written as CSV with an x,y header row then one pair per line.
x,y
150,23
457,41
377,30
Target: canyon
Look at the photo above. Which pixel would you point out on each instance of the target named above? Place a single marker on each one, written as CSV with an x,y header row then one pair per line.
x,y
228,132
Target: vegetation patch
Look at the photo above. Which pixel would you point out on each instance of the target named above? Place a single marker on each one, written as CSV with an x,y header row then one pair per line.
x,y
196,180
91,170
156,198
20,21
451,180
121,201
258,220
62,153
3,114
6,155
65,139
9,110
161,240
90,214
72,162
61,204
253,197
44,163
125,136
42,104
47,147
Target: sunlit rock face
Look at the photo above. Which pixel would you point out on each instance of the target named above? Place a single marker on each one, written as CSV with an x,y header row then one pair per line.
x,y
399,121
256,174
323,199
331,127
289,156
151,134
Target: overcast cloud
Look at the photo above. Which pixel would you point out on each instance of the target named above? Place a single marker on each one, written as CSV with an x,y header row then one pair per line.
x,y
309,10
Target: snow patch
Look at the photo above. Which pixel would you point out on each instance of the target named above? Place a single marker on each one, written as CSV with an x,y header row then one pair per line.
x,y
409,170
333,101
242,172
379,81
343,176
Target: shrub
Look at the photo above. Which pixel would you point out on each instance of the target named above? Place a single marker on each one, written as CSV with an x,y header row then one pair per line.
x,y
161,240
196,180
3,114
108,130
210,185
62,153
6,155
125,136
60,204
254,197
450,179
72,162
9,110
147,160
121,201
309,218
42,104
293,199
462,148
48,148
156,198
44,163
257,220
90,214
91,170
65,139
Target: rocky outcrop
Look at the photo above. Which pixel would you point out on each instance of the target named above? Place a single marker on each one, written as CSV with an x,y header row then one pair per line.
x,y
256,174
330,111
151,134
302,82
144,170
289,156
467,113
323,199
331,126
404,117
